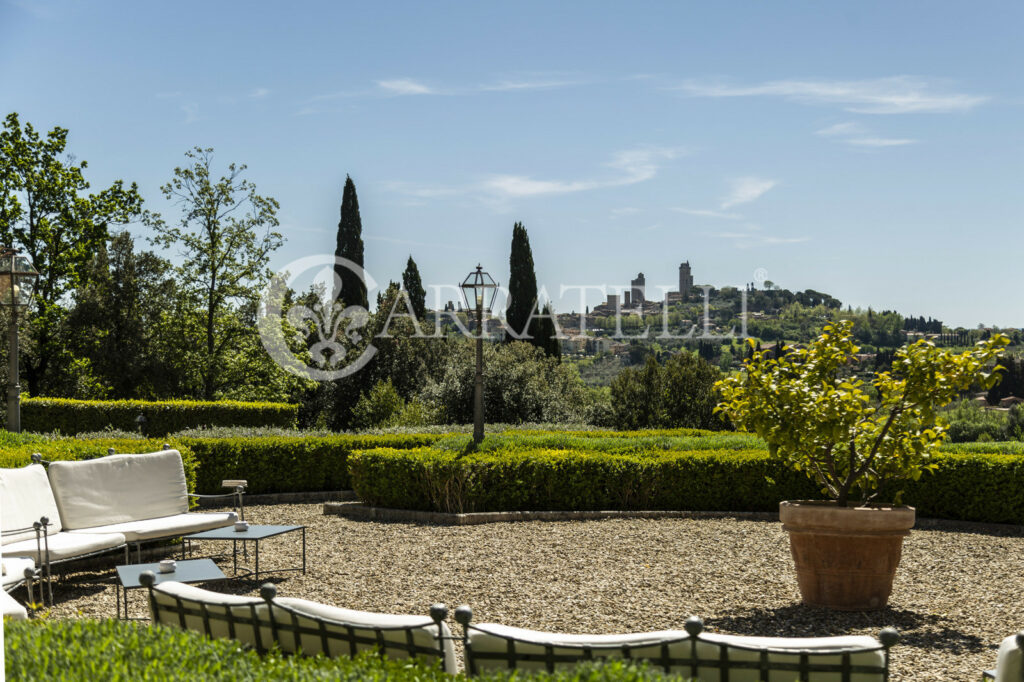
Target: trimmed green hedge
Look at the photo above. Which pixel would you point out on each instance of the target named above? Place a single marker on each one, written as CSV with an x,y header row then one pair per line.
x,y
277,464
89,651
14,456
77,416
970,487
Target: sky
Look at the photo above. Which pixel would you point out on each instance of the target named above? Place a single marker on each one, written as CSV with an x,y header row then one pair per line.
x,y
870,150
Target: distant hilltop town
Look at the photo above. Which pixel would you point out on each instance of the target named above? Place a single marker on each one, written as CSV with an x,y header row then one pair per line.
x,y
635,298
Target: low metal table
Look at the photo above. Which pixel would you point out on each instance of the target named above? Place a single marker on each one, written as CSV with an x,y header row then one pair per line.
x,y
190,571
254,534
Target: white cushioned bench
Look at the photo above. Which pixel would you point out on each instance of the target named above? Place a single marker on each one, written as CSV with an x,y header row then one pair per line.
x,y
689,652
143,497
295,625
26,499
14,571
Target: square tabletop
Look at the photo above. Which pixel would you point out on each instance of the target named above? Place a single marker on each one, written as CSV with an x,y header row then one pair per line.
x,y
254,532
185,571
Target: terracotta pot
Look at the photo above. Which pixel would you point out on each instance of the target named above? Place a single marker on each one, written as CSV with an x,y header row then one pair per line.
x,y
845,557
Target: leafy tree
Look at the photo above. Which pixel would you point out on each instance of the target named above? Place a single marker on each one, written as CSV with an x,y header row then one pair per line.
x,y
351,287
45,210
819,419
414,285
225,234
689,394
636,397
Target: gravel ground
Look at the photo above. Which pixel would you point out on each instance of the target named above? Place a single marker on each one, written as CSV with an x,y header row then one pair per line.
x,y
955,597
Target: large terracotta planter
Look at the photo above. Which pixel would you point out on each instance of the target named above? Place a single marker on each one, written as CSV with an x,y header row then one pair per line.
x,y
845,557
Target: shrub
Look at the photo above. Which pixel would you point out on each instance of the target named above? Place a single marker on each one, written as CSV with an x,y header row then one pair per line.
x,y
77,650
277,464
970,486
75,416
680,393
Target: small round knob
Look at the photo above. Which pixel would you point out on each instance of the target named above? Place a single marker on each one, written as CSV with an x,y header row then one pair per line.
x,y
463,615
888,637
438,612
147,578
268,591
694,626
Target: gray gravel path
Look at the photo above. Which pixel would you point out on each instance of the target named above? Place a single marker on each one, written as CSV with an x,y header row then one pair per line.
x,y
957,593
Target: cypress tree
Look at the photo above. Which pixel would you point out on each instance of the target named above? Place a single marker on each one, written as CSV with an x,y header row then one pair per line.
x,y
414,286
350,245
544,335
522,283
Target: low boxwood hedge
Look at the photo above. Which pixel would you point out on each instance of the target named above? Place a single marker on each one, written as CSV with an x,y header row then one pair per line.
x,y
89,651
277,464
162,417
966,486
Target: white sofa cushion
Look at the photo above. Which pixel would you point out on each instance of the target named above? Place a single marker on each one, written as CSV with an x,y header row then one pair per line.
x,y
493,638
1008,665
10,608
25,496
165,526
14,569
423,629
245,611
66,545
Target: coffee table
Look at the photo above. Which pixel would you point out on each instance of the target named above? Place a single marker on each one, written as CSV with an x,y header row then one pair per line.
x,y
190,571
255,533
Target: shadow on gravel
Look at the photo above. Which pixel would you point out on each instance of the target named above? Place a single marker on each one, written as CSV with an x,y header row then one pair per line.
x,y
918,630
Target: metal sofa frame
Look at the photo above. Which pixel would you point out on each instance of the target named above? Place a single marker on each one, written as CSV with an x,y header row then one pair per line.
x,y
345,632
804,668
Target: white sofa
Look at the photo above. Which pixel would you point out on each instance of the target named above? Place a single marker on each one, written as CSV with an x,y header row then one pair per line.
x,y
1009,663
142,497
297,624
690,652
31,522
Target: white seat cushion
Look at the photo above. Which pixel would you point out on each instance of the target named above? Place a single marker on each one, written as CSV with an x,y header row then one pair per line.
x,y
1008,666
14,569
245,611
165,527
493,638
119,488
66,545
25,496
10,608
424,631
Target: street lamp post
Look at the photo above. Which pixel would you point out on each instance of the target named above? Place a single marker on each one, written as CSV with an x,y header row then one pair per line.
x,y
474,289
17,281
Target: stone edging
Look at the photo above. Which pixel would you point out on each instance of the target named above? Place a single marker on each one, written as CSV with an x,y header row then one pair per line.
x,y
356,510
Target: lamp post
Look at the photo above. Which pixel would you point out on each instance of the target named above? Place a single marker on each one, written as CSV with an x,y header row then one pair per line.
x,y
17,281
474,289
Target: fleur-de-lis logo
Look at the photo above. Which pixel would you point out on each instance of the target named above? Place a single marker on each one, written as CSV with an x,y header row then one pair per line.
x,y
329,330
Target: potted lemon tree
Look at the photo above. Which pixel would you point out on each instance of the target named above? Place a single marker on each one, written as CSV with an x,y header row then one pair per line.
x,y
819,418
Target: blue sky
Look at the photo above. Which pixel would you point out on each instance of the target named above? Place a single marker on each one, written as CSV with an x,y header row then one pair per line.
x,y
872,150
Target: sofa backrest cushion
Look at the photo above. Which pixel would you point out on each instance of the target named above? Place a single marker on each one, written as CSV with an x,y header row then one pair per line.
x,y
25,496
490,649
119,488
1008,667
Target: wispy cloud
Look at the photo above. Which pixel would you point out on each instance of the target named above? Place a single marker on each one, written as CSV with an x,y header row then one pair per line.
x,y
191,110
707,213
508,85
880,141
259,93
842,129
634,165
754,236
631,166
745,190
624,211
893,95
405,86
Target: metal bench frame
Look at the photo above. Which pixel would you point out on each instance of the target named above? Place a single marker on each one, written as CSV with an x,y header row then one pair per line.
x,y
805,667
281,628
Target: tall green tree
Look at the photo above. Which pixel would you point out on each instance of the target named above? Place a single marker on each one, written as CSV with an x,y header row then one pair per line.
x,y
45,209
412,283
351,287
225,234
522,285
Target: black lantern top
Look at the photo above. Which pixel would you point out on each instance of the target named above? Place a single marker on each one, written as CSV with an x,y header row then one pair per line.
x,y
474,289
17,278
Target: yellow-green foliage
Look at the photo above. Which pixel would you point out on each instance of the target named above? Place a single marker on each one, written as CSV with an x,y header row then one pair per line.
x,y
162,417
